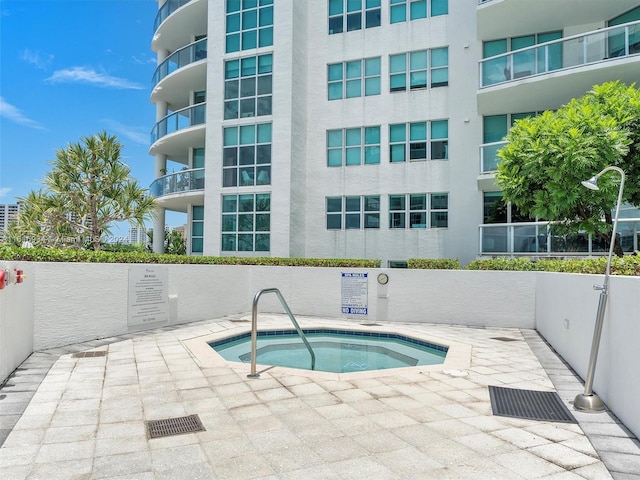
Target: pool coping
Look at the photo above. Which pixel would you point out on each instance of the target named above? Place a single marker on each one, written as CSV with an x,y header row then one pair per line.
x,y
458,356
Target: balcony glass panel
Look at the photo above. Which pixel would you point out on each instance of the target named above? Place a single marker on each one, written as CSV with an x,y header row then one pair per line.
x,y
183,181
181,58
167,9
489,156
534,237
602,45
185,118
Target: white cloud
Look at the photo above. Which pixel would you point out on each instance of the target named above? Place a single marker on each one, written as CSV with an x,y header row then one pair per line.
x,y
36,59
135,134
4,191
14,114
86,75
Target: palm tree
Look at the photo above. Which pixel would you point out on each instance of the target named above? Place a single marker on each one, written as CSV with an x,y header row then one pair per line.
x,y
88,189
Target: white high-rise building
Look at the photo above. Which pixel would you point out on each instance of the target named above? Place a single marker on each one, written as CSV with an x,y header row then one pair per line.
x,y
364,128
138,235
8,213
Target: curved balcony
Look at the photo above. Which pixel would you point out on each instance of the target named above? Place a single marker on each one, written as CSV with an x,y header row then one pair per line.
x,y
550,74
167,9
182,181
179,120
511,18
178,23
177,191
191,53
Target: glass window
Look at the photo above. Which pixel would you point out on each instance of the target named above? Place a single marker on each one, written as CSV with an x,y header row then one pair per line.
x,y
353,212
353,146
412,69
246,156
401,10
243,216
439,7
197,228
249,24
420,135
424,210
345,80
353,15
248,87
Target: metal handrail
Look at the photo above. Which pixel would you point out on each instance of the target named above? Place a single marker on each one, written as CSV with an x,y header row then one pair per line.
x,y
254,329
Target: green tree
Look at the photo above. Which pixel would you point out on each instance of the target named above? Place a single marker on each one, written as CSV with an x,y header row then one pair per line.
x,y
87,190
548,156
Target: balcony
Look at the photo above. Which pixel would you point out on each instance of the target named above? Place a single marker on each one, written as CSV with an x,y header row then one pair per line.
x,y
167,9
534,239
489,156
512,18
191,53
548,75
178,22
183,181
177,191
179,120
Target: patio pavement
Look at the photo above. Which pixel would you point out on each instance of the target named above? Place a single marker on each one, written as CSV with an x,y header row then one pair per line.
x,y
67,418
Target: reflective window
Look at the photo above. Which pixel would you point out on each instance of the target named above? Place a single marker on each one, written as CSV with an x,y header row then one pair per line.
x,y
248,87
419,210
349,15
353,146
356,78
353,212
249,24
246,155
246,222
419,141
403,10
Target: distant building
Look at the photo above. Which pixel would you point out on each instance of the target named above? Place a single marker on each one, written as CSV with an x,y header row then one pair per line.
x,y
8,213
138,235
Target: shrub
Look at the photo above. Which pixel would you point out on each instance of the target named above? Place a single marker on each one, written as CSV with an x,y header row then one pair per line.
x,y
628,265
88,256
434,263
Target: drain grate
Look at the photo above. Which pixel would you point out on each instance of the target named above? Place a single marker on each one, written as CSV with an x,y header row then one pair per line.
x,y
100,353
174,426
529,404
505,339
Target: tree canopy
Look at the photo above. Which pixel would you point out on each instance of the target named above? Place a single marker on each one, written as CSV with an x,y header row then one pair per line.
x,y
87,190
548,156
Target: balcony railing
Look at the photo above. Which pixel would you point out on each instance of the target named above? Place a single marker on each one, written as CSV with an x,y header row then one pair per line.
x,y
167,9
185,118
602,45
183,181
180,58
534,238
489,156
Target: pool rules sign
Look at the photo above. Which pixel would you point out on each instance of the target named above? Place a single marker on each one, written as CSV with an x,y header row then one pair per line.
x,y
355,291
148,295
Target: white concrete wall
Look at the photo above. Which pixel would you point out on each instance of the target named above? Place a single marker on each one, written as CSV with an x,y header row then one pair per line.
x,y
78,302
16,319
566,307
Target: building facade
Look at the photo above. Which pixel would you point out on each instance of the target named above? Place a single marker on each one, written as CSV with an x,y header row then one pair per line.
x,y
8,213
363,128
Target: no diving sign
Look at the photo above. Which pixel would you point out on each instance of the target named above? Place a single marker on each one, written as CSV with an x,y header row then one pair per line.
x,y
355,290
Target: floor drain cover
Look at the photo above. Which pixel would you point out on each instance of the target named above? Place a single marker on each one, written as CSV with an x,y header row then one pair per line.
x,y
174,426
100,353
529,404
505,339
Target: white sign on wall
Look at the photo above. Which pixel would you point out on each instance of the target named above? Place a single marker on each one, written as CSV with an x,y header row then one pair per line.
x,y
355,290
148,295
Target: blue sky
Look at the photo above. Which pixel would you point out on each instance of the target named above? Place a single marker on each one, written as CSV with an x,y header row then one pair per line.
x,y
68,69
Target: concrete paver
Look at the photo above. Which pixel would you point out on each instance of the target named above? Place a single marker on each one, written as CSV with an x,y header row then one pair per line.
x,y
67,417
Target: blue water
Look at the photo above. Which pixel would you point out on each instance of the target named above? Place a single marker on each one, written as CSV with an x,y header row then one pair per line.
x,y
336,351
